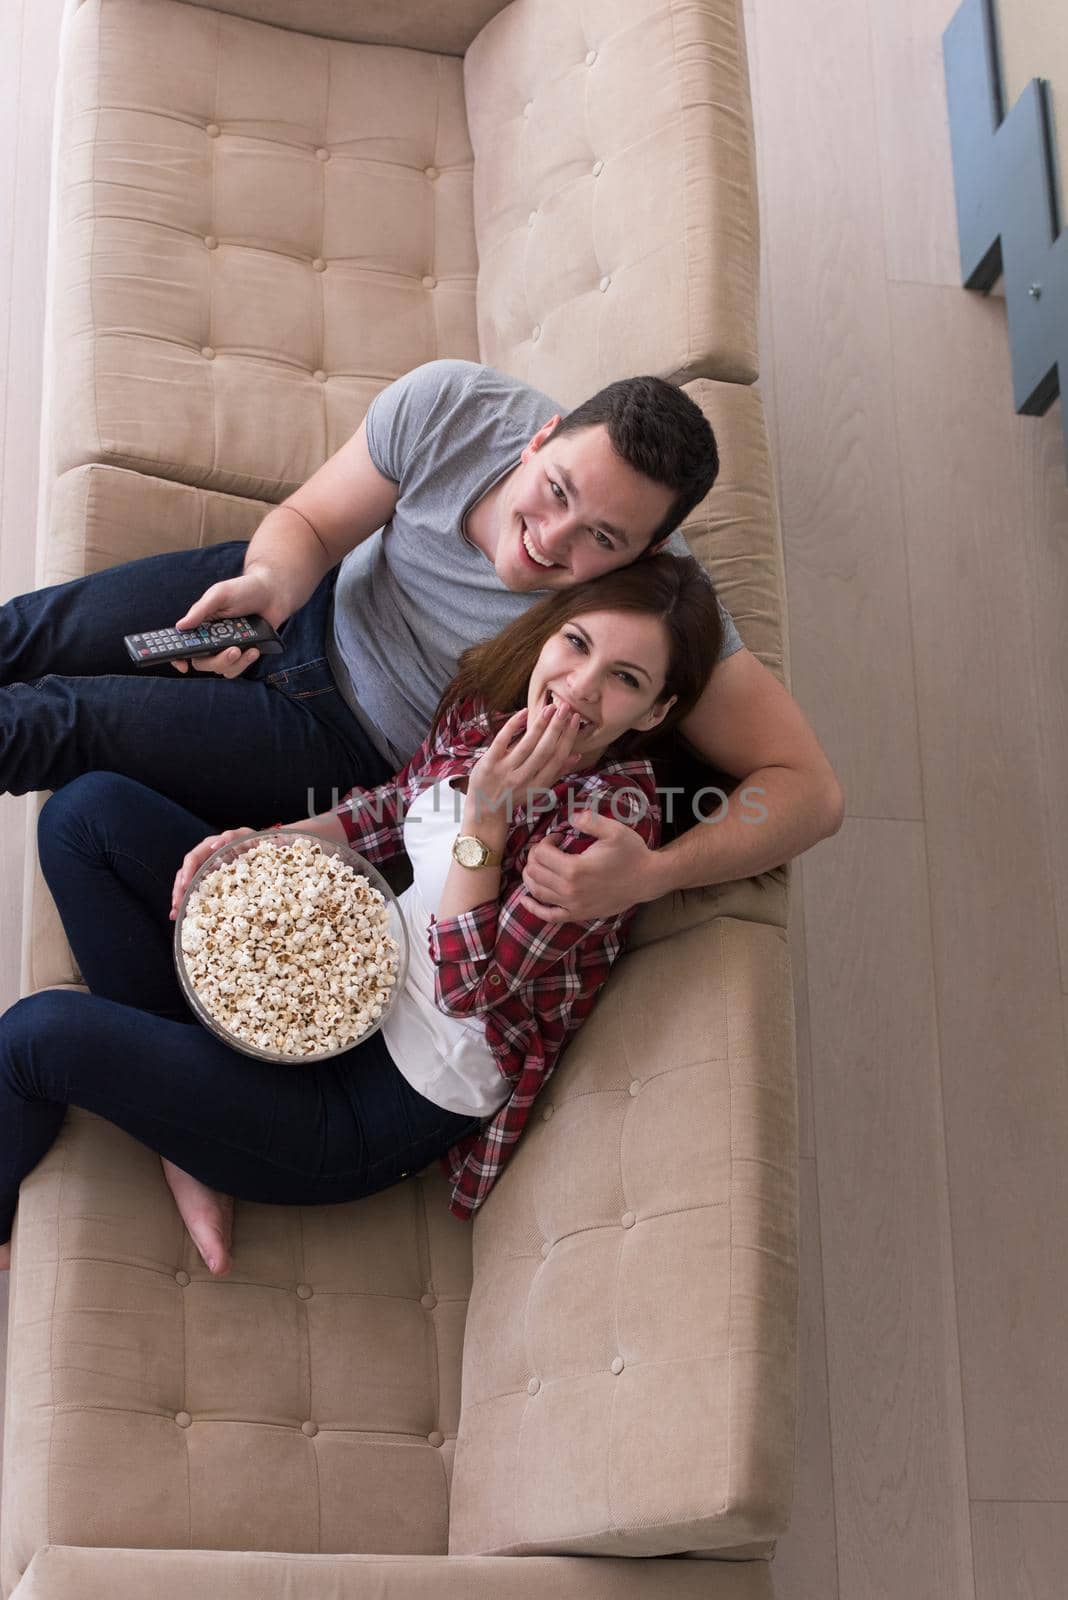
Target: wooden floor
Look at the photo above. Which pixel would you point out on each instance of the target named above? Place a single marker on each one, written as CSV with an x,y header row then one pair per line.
x,y
926,537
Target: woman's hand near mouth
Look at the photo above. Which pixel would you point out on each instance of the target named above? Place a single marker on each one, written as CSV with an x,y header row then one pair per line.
x,y
539,757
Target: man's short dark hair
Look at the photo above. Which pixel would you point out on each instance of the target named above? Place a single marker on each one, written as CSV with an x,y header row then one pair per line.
x,y
661,433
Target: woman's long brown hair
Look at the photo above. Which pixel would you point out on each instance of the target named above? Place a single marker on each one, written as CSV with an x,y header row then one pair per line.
x,y
676,589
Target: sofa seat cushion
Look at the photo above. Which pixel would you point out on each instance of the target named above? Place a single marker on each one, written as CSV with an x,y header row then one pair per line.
x,y
256,230
629,1360
307,1402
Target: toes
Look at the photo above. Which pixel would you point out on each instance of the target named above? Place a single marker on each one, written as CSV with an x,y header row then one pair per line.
x,y
212,1239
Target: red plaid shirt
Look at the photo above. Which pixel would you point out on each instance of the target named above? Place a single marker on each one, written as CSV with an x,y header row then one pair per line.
x,y
534,982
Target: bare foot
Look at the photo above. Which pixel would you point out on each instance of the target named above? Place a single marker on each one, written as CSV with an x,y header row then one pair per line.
x,y
208,1216
5,1257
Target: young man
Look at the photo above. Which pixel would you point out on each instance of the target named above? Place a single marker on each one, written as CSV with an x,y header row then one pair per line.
x,y
461,498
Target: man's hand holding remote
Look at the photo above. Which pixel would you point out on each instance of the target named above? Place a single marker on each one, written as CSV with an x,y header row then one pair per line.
x,y
250,594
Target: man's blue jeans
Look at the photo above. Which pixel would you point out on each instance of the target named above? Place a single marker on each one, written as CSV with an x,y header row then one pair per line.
x,y
238,752
132,1052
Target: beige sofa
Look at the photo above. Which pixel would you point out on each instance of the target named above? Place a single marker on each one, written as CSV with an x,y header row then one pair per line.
x,y
263,211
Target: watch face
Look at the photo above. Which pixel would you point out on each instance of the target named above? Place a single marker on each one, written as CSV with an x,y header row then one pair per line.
x,y
469,852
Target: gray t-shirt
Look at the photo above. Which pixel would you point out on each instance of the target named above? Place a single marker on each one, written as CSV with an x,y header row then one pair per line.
x,y
411,598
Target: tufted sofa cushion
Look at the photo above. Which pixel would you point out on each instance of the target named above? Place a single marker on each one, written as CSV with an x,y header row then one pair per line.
x,y
259,230
307,1402
734,532
654,1195
614,174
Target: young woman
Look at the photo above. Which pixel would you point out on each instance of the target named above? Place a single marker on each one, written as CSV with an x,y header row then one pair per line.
x,y
545,720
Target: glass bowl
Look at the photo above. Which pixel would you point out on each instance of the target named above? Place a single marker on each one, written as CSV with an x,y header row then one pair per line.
x,y
230,852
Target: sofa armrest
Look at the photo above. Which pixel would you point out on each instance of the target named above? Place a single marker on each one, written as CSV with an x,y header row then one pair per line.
x,y
59,1571
446,30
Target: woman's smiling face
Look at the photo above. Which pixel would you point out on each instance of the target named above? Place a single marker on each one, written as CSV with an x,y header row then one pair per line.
x,y
610,667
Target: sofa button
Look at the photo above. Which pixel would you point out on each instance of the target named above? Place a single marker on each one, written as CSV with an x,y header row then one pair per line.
x,y
304,1291
435,1438
322,155
430,172
183,1419
635,1087
319,375
319,265
533,1386
182,1278
591,57
212,130
310,1429
536,334
598,168
617,1365
211,241
604,284
547,1113
207,352
628,1219
428,1301
429,282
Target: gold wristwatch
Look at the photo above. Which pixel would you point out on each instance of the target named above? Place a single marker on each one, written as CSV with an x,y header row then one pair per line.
x,y
470,851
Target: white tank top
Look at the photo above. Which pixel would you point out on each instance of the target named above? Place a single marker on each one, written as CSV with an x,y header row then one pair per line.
x,y
445,1059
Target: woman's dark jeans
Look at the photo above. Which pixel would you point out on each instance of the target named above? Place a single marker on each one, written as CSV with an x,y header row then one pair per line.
x,y
132,1052
270,746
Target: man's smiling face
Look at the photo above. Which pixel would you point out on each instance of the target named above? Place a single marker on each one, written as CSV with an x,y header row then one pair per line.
x,y
573,509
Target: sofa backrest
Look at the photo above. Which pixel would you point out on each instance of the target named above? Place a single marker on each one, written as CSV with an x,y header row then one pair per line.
x,y
632,1321
272,228
615,192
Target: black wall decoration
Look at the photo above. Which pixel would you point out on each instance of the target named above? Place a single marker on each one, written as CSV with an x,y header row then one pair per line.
x,y
1007,210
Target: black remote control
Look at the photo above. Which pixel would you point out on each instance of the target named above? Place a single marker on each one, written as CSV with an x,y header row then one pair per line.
x,y
172,644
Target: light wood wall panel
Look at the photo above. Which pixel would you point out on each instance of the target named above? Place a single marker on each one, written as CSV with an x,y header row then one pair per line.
x,y
1038,451
806,1558
831,358
1021,1551
1034,44
897,1425
915,167
1001,1029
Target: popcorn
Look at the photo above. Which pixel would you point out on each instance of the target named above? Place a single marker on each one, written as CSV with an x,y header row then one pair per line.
x,y
288,948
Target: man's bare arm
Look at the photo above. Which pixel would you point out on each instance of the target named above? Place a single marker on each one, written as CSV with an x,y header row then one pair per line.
x,y
340,506
788,797
748,725
295,546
